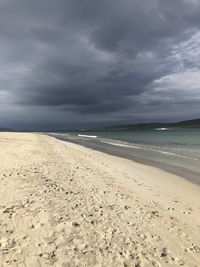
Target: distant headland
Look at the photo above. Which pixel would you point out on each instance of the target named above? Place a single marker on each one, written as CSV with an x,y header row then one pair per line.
x,y
189,124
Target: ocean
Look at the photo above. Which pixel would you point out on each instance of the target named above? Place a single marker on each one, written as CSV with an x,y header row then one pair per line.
x,y
176,151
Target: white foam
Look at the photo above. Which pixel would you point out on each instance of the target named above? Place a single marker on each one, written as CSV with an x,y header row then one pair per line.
x,y
88,136
162,129
148,148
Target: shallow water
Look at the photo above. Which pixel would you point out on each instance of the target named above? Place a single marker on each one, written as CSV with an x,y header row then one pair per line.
x,y
177,151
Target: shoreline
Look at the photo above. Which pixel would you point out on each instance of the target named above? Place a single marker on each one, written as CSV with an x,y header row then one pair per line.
x,y
66,205
153,170
189,175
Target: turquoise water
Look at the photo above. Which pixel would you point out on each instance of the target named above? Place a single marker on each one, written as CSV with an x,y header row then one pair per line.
x,y
152,137
176,150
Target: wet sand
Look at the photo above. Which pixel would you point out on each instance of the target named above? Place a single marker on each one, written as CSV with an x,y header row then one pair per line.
x,y
62,204
191,174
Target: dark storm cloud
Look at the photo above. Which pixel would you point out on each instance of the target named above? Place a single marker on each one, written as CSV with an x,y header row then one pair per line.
x,y
125,59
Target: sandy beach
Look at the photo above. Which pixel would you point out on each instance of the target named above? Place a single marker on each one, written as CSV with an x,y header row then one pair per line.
x,y
62,204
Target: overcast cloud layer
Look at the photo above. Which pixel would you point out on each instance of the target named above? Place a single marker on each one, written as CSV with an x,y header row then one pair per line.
x,y
72,63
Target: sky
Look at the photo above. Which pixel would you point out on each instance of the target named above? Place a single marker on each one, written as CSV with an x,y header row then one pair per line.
x,y
69,64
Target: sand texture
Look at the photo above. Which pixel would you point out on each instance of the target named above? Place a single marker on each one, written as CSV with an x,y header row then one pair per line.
x,y
65,205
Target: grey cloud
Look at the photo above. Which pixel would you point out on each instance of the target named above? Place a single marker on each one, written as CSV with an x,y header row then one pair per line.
x,y
73,59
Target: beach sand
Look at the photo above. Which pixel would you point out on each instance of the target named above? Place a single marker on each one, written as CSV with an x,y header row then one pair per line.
x,y
65,205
